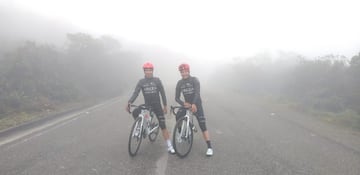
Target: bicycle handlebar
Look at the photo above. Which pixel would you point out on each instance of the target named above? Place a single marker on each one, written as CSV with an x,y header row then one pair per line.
x,y
142,106
172,108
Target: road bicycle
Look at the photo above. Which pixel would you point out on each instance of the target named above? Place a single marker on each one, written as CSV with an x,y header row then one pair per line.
x,y
183,132
145,124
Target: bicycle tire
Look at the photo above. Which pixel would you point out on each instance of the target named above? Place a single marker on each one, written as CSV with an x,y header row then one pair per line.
x,y
181,143
135,137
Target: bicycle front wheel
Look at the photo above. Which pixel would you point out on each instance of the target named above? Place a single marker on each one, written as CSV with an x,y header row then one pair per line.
x,y
182,137
135,137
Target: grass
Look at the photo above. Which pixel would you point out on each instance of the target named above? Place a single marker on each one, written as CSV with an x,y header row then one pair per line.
x,y
16,119
19,118
347,118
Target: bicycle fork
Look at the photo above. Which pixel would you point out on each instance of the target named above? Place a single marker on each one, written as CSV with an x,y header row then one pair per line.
x,y
138,129
185,125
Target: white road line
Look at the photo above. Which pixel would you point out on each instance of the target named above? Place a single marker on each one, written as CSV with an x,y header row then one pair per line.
x,y
37,129
161,165
62,120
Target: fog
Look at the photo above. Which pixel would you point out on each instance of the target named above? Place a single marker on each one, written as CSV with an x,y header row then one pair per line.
x,y
280,85
48,61
17,25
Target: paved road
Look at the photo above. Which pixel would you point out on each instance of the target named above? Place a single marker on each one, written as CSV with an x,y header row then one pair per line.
x,y
247,139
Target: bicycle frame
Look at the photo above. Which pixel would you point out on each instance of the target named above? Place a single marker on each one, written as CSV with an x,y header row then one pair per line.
x,y
146,118
188,116
143,127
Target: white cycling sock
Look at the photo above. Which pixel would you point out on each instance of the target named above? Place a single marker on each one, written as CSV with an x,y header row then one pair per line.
x,y
168,143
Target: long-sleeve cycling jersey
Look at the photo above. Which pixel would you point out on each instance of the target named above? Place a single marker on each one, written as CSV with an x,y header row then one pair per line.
x,y
190,88
150,87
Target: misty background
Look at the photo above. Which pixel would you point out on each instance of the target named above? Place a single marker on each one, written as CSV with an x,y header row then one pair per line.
x,y
48,65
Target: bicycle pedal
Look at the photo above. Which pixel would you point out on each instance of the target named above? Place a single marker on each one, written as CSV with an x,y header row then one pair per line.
x,y
194,129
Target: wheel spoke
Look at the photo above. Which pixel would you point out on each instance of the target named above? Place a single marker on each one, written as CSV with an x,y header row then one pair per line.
x,y
135,137
182,138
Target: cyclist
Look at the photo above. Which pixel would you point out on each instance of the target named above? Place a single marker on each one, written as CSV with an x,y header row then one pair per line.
x,y
151,88
189,86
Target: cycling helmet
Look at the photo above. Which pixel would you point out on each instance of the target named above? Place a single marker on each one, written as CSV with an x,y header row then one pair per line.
x,y
148,65
184,66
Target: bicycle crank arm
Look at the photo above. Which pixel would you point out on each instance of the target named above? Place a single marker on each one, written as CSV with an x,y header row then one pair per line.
x,y
152,130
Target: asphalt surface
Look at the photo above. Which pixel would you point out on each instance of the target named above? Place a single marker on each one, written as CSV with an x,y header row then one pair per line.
x,y
248,137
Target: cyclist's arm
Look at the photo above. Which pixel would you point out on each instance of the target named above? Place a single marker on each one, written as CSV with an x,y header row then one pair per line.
x,y
177,95
135,93
162,92
197,91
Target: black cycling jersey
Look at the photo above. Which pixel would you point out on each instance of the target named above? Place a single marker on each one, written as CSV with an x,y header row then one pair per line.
x,y
190,89
150,87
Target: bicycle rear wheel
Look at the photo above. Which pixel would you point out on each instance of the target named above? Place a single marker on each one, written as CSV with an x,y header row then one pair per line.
x,y
182,138
154,129
135,137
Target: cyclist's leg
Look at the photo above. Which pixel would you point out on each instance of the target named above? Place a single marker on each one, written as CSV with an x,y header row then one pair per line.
x,y
200,118
202,123
160,116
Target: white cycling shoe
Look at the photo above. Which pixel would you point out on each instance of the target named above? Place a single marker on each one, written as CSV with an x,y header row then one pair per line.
x,y
171,150
209,152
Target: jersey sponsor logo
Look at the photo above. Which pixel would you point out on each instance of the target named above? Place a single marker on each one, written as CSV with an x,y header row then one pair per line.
x,y
187,88
149,88
186,85
187,91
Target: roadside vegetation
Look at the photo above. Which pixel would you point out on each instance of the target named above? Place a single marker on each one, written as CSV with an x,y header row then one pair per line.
x,y
327,87
38,79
